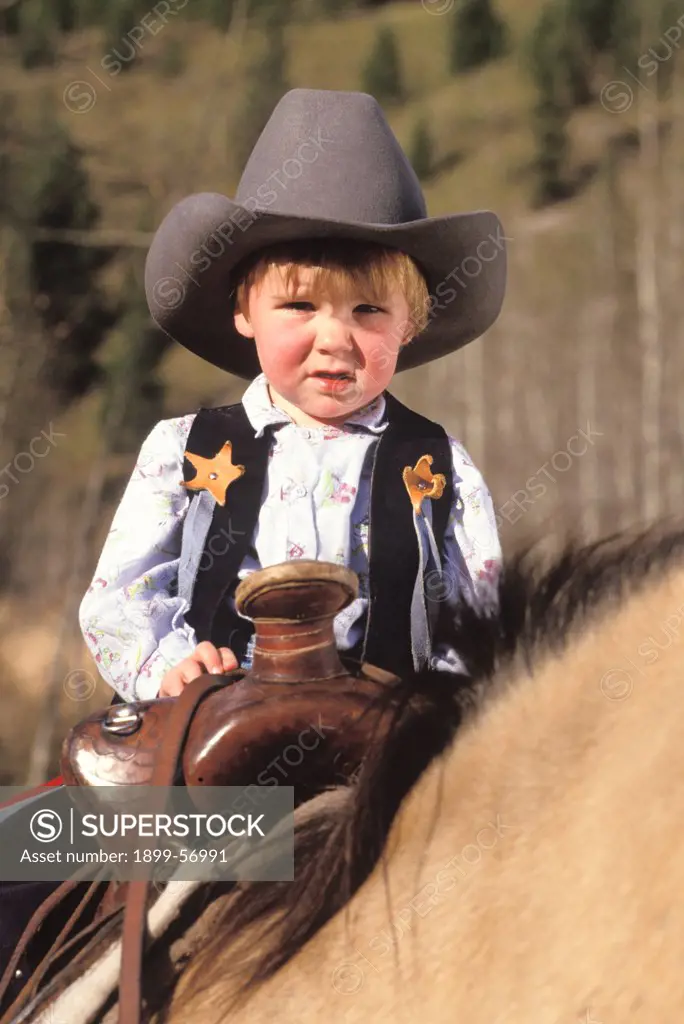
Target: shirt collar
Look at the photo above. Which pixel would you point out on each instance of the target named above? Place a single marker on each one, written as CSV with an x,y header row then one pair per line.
x,y
262,413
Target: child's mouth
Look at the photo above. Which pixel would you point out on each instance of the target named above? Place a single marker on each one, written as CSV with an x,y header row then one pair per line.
x,y
333,383
332,376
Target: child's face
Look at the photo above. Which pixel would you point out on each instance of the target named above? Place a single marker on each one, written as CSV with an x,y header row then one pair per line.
x,y
323,360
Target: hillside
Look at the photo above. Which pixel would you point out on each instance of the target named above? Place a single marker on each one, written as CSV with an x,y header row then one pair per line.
x,y
564,354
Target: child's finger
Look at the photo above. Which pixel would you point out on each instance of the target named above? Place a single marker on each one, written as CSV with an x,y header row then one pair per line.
x,y
228,659
190,669
210,658
172,687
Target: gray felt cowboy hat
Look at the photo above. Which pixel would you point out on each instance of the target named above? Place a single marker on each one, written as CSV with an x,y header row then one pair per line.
x,y
326,165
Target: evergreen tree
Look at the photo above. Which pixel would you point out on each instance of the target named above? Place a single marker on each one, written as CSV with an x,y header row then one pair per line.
x,y
547,59
219,13
133,391
38,31
559,58
9,20
662,50
90,13
381,76
120,51
421,149
53,315
66,12
173,57
52,191
598,20
323,9
478,35
265,84
552,143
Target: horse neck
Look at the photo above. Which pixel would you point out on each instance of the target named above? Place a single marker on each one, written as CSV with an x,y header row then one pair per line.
x,y
541,734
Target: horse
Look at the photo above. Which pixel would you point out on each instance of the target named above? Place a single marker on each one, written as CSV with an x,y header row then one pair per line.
x,y
508,853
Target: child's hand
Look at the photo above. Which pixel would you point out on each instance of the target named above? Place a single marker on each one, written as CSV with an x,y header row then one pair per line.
x,y
205,658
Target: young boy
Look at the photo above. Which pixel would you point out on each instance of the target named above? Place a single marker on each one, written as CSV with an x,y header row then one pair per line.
x,y
326,275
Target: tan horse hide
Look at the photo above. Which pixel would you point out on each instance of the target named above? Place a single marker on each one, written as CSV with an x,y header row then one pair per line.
x,y
534,875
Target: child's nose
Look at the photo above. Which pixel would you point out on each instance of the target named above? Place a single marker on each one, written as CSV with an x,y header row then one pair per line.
x,y
333,335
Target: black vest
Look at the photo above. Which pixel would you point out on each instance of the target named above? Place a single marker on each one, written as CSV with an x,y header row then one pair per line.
x,y
393,547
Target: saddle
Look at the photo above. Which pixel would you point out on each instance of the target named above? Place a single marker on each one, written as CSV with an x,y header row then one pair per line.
x,y
232,730
297,685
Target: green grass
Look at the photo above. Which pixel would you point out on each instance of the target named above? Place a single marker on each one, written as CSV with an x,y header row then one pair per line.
x,y
149,140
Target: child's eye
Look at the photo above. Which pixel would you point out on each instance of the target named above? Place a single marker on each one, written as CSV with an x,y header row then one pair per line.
x,y
366,307
298,305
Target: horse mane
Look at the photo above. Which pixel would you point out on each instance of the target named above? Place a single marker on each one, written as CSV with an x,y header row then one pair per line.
x,y
541,607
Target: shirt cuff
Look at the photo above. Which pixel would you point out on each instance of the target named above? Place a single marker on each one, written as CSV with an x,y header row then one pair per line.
x,y
172,649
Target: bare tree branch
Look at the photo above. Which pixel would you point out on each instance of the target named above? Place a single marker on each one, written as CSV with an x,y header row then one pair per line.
x,y
647,293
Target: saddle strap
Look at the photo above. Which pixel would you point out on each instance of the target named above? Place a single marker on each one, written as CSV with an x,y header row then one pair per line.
x,y
36,921
135,913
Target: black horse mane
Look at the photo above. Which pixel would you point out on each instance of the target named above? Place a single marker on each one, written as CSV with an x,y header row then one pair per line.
x,y
541,607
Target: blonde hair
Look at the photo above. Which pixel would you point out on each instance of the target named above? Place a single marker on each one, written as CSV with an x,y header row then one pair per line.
x,y
342,267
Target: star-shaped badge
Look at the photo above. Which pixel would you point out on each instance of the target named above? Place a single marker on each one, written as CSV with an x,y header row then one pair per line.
x,y
422,483
214,475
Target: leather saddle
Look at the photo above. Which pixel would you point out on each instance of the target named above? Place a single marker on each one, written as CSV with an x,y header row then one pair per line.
x,y
299,717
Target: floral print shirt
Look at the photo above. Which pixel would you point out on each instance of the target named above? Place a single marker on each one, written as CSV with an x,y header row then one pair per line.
x,y
316,505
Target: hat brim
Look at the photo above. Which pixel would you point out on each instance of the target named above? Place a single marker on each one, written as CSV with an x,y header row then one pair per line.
x,y
204,237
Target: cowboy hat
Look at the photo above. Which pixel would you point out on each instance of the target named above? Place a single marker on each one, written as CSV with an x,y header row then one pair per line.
x,y
327,165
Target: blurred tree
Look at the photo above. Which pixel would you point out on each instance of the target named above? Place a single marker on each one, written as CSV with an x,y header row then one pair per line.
x,y
66,12
9,20
596,19
421,149
478,35
381,75
265,82
574,45
38,33
90,12
548,56
663,49
173,58
133,394
119,49
306,10
219,13
54,316
51,191
551,160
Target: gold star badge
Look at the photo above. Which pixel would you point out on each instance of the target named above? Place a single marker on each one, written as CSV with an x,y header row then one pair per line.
x,y
216,474
421,483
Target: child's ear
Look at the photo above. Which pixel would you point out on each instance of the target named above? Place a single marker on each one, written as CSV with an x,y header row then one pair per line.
x,y
242,325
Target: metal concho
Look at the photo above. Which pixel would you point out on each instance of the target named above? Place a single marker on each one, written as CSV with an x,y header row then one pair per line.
x,y
122,719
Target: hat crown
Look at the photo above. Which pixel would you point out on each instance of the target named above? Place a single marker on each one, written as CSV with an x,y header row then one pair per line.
x,y
331,155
